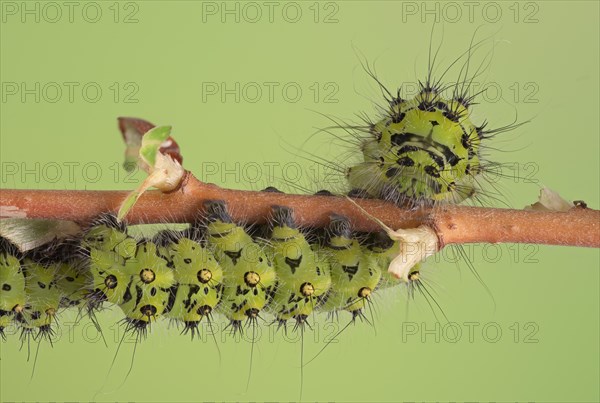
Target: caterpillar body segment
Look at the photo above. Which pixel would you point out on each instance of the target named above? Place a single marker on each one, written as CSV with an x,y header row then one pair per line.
x,y
12,285
150,285
74,282
42,298
303,273
354,273
198,281
249,276
107,246
110,281
108,234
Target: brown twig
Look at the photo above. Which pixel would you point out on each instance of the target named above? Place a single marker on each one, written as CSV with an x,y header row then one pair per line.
x,y
453,224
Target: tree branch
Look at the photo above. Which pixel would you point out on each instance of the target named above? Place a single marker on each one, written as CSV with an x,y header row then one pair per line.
x,y
453,224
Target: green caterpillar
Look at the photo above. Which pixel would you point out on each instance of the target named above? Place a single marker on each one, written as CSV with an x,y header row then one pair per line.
x,y
423,149
215,267
188,276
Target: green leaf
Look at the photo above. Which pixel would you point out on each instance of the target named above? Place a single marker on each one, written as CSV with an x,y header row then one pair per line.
x,y
151,143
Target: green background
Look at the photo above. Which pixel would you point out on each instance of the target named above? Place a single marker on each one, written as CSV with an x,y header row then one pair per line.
x,y
162,54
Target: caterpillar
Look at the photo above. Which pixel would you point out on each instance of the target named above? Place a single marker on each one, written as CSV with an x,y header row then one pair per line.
x,y
186,276
425,150
215,267
422,149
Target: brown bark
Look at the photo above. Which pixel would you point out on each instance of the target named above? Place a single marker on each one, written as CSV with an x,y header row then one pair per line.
x,y
453,224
